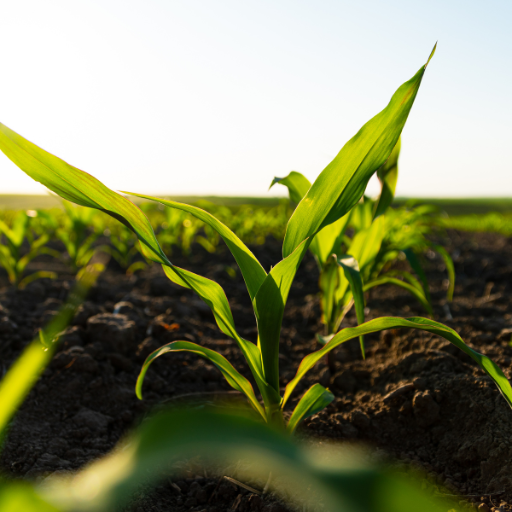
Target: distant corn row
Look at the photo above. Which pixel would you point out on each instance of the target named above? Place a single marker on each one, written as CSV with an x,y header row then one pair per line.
x,y
492,222
74,233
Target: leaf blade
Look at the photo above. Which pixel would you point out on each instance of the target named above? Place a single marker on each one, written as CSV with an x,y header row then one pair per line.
x,y
250,267
350,267
314,400
418,293
296,183
268,305
425,324
235,379
342,183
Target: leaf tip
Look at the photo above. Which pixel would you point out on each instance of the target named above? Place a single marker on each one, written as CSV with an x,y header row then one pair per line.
x,y
431,55
274,181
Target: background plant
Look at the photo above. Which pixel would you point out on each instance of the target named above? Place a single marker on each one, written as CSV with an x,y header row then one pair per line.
x,y
350,266
78,231
13,258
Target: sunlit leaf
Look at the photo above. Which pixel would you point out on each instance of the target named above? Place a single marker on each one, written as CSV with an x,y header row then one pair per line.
x,y
315,399
383,323
342,183
388,176
235,379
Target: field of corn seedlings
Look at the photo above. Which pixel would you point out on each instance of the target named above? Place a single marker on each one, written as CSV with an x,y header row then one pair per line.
x,y
376,327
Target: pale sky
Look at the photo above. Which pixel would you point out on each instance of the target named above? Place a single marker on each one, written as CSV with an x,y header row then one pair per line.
x,y
218,97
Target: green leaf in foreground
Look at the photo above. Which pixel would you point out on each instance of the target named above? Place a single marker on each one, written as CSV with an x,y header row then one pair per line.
x,y
334,478
26,370
22,497
388,176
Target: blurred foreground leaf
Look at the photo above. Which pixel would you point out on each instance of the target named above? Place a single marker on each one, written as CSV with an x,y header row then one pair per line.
x,y
333,479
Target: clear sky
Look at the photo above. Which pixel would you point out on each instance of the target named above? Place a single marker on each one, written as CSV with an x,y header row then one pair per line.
x,y
219,96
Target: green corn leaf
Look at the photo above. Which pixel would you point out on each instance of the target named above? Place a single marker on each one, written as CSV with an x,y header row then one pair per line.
x,y
323,340
235,379
366,244
362,214
328,240
414,261
408,277
16,235
250,267
414,290
85,190
25,371
315,399
269,306
342,183
9,263
40,274
22,497
79,187
213,295
339,476
329,283
388,176
380,324
297,185
450,269
350,267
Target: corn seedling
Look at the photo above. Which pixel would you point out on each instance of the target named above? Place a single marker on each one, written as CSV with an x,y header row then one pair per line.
x,y
79,230
335,192
11,257
123,247
351,266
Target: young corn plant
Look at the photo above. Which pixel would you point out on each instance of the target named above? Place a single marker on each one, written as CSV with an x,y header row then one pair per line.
x,y
11,257
336,191
351,266
123,247
80,228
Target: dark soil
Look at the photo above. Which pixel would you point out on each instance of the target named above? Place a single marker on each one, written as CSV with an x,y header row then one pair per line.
x,y
416,398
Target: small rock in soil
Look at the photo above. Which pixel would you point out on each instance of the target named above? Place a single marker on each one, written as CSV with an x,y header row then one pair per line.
x,y
96,421
124,308
360,419
420,383
425,408
73,336
402,390
84,312
116,332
